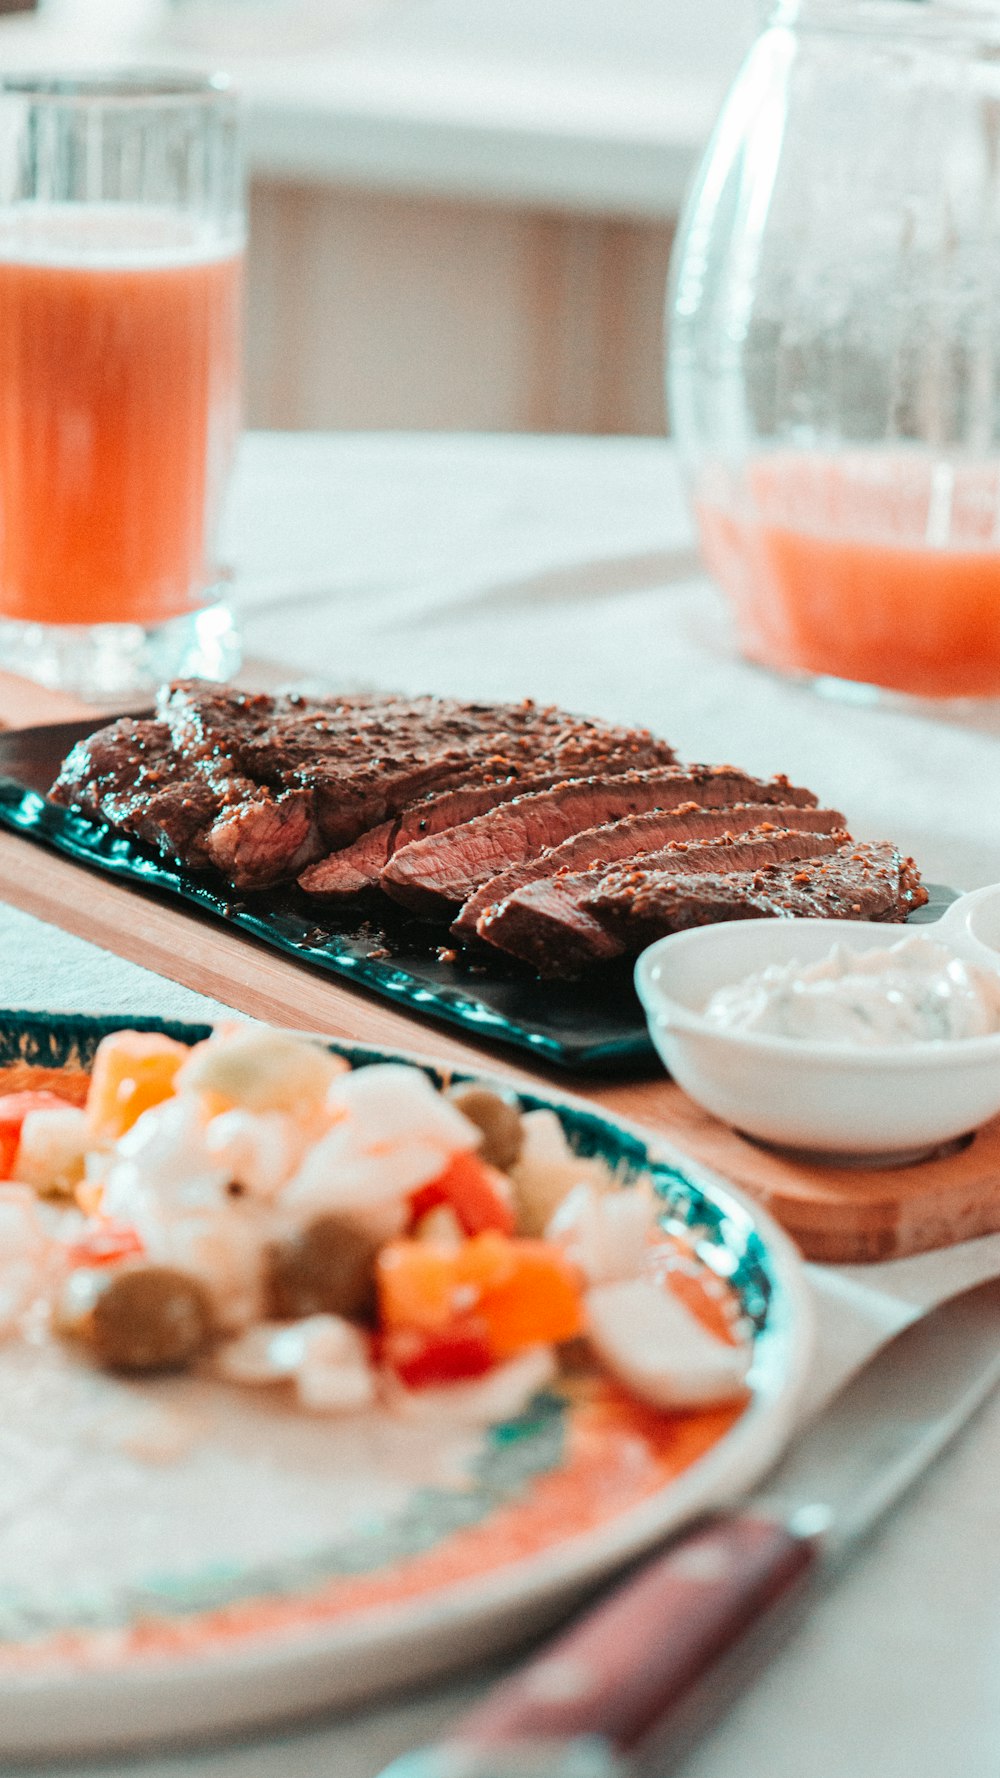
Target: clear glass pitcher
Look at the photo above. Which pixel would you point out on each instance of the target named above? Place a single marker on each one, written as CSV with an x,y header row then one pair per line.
x,y
834,364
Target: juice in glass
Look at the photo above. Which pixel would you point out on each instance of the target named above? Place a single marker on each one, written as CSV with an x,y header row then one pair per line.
x,y
119,404
880,568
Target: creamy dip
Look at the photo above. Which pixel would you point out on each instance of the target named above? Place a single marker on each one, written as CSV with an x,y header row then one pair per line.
x,y
915,991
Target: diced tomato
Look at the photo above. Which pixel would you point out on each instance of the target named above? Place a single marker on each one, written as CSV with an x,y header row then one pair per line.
x,y
478,1193
14,1108
105,1246
422,1359
133,1071
525,1293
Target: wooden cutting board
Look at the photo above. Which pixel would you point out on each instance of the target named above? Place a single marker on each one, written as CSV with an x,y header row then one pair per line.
x,y
835,1214
848,1214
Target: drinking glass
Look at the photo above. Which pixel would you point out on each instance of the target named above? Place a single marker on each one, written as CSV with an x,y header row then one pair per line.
x,y
121,251
834,371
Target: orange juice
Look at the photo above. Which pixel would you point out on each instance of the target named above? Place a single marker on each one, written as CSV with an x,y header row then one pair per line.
x,y
874,567
119,380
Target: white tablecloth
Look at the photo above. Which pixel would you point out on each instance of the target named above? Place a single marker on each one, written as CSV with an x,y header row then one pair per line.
x,y
564,569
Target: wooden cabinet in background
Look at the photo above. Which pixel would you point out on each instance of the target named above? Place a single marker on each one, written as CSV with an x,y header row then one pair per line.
x,y
367,310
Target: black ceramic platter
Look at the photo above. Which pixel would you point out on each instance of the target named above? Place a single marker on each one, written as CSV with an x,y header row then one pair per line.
x,y
593,1027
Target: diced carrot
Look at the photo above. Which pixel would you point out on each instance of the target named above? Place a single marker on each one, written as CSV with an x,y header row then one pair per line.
x,y
133,1071
489,1259
537,1304
479,1194
416,1284
14,1108
525,1293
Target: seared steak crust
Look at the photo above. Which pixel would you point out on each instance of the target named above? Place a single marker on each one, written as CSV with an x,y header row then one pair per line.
x,y
130,775
559,840
358,867
860,881
439,873
364,759
261,786
127,775
555,924
637,834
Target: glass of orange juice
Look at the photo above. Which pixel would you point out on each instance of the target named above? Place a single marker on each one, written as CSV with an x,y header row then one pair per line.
x,y
835,354
121,251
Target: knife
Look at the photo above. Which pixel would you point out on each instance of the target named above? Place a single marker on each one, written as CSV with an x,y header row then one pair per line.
x,y
593,1698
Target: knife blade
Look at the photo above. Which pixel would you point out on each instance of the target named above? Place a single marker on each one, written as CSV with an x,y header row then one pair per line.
x,y
623,1671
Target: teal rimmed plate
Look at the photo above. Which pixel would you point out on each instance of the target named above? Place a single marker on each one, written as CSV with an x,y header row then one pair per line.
x,y
180,1557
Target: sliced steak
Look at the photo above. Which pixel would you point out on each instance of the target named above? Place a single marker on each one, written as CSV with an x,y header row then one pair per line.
x,y
434,875
127,775
364,760
130,776
358,867
264,838
261,786
555,924
860,881
353,869
640,833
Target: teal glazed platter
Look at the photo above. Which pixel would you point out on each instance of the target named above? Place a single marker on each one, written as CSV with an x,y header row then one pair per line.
x,y
591,1027
180,1557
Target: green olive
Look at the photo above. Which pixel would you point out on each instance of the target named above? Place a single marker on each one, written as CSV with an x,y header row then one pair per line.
x,y
497,1117
328,1268
149,1318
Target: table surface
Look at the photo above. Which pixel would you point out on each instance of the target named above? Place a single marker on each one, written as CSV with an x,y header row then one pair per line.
x,y
564,569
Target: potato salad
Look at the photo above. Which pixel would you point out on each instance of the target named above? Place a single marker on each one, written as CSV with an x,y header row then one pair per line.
x,y
255,1208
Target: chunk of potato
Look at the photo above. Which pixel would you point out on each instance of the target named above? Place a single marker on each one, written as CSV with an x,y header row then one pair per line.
x,y
260,1069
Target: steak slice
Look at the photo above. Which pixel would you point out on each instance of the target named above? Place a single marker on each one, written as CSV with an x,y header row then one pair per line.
x,y
358,867
130,776
860,881
352,869
556,925
434,875
127,775
640,833
260,786
365,759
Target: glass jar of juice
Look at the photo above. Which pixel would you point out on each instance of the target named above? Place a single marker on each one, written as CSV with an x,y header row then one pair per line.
x,y
834,364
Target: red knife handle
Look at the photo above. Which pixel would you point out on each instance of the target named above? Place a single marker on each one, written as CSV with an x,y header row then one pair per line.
x,y
622,1667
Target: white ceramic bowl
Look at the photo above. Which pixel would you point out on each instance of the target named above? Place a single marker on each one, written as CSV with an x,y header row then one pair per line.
x,y
873,1105
972,926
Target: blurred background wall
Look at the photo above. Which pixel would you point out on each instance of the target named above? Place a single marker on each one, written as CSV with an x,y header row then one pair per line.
x,y
461,210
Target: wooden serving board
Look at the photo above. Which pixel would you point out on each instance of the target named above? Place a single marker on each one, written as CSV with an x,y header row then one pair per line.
x,y
23,705
846,1215
835,1214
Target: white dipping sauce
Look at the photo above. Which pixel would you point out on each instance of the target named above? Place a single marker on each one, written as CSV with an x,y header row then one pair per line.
x,y
915,991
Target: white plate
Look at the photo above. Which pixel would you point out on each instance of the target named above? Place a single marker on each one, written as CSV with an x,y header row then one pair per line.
x,y
268,1564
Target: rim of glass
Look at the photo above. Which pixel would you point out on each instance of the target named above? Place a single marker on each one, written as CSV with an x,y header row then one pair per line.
x,y
969,19
115,86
